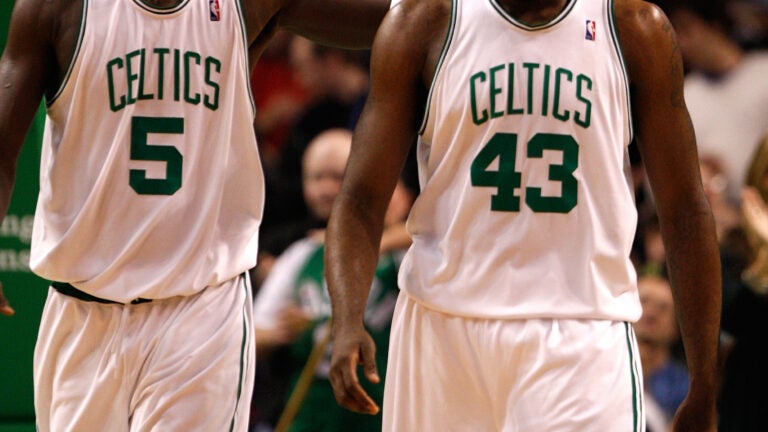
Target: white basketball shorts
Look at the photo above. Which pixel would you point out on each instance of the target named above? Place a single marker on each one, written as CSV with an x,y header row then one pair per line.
x,y
449,373
177,364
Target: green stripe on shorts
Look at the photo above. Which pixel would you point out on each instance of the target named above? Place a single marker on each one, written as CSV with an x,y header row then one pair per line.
x,y
633,373
242,361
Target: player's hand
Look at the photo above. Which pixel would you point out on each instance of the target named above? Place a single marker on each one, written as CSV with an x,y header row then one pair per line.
x,y
696,414
353,347
5,307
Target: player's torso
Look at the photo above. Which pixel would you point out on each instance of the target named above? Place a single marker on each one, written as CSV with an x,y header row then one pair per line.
x,y
149,160
525,207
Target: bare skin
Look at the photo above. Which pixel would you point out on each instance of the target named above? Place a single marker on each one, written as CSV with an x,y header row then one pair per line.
x,y
43,35
403,61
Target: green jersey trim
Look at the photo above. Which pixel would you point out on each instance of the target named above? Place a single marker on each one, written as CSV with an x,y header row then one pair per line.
x,y
161,10
443,54
528,27
620,54
244,34
75,55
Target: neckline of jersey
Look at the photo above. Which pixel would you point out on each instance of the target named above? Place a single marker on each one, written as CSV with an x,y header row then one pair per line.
x,y
161,10
525,26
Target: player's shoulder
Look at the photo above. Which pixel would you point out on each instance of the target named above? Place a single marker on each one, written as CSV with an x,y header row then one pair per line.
x,y
422,6
48,25
416,23
639,16
642,26
647,38
421,11
40,13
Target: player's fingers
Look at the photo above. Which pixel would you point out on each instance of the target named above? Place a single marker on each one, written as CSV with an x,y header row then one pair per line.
x,y
5,307
347,390
339,382
368,357
363,401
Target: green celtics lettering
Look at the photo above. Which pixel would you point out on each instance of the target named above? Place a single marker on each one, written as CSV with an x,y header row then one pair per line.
x,y
551,83
184,67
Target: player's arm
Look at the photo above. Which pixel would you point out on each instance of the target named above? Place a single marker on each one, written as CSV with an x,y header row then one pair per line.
x,y
342,23
386,130
347,24
23,69
22,82
667,143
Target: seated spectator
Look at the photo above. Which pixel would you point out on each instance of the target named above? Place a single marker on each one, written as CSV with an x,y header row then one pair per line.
x,y
337,84
279,96
321,175
716,183
725,87
292,308
750,22
665,377
743,397
649,256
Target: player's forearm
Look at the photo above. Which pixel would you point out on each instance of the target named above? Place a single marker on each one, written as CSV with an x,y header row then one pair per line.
x,y
694,267
352,25
7,176
14,123
352,250
17,110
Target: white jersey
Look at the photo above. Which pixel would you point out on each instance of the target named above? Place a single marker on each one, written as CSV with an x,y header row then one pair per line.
x,y
150,182
526,208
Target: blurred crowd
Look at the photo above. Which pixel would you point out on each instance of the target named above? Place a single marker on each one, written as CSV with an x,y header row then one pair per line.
x,y
309,98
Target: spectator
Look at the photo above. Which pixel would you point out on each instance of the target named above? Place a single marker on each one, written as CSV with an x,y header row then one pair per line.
x,y
337,82
279,96
320,182
650,256
665,377
750,22
292,309
716,183
743,396
725,89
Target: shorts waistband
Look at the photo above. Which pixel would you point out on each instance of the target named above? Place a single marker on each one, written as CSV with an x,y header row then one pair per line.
x,y
71,291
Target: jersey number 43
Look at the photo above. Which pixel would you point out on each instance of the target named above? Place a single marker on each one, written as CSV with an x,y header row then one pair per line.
x,y
506,179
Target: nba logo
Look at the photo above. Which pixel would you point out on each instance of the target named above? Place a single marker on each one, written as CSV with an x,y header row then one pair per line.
x,y
213,5
591,30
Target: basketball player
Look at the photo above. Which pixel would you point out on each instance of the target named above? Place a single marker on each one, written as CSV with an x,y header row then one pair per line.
x,y
150,199
518,293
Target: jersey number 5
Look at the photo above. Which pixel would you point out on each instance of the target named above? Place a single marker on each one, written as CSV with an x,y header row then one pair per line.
x,y
506,179
141,127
